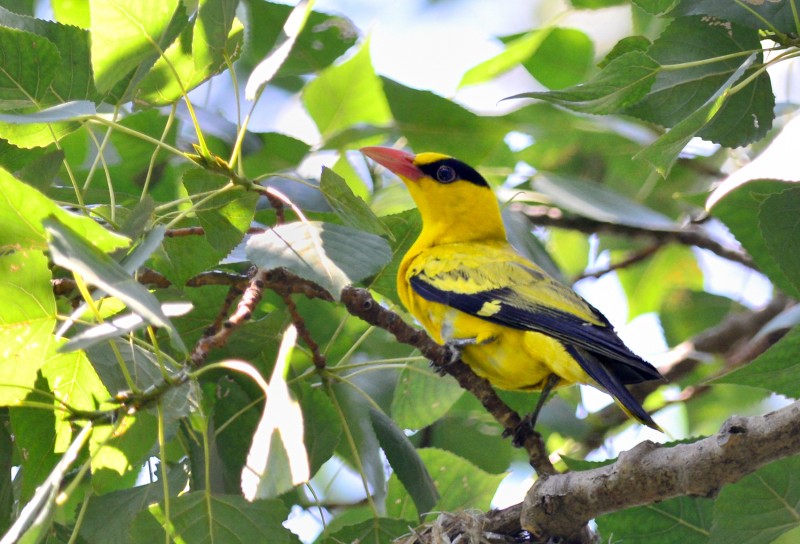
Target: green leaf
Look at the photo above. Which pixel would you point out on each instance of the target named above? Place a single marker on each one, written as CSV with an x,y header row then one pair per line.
x,y
564,58
655,7
405,227
324,38
23,208
118,452
595,4
132,156
351,209
41,173
769,15
461,485
685,520
777,369
362,449
739,209
142,26
625,45
623,82
278,152
269,66
466,424
277,460
519,231
215,19
422,396
70,250
34,520
536,51
330,255
29,65
517,50
73,79
687,313
665,150
780,228
682,92
202,518
71,12
760,507
371,531
598,202
649,284
431,122
145,370
225,220
109,517
35,432
405,461
73,382
27,320
195,56
347,94
322,427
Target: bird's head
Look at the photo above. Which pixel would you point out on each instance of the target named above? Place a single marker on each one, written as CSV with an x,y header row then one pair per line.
x,y
455,201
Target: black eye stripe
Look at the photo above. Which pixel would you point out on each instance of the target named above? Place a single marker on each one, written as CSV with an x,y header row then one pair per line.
x,y
462,171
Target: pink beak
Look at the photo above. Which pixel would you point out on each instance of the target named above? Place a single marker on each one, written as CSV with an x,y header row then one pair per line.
x,y
395,160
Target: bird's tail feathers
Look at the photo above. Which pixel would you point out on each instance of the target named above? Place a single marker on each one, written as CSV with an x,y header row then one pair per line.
x,y
605,377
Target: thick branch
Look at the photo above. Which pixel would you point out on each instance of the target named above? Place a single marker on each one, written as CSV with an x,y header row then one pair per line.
x,y
561,504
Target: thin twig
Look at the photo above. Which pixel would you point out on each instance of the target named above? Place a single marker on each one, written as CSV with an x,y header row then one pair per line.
x,y
631,260
691,235
244,311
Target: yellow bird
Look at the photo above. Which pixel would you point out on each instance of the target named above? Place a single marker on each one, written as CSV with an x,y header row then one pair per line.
x,y
513,324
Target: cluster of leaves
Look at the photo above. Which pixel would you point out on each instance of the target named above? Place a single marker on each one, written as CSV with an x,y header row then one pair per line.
x,y
112,177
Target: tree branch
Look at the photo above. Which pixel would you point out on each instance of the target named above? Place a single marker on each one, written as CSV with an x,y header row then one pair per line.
x,y
560,505
690,235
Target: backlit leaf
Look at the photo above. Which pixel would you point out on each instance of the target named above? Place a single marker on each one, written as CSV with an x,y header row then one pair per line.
x,y
622,82
23,209
330,255
347,94
27,320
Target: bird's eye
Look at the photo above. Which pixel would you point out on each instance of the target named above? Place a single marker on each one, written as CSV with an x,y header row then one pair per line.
x,y
446,174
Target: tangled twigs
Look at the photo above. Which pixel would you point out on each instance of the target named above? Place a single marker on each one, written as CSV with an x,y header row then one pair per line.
x,y
361,304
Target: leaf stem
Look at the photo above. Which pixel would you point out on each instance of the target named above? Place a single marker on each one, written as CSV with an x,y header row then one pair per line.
x,y
711,60
136,134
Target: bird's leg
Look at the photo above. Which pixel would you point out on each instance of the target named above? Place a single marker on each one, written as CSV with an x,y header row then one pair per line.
x,y
528,423
455,347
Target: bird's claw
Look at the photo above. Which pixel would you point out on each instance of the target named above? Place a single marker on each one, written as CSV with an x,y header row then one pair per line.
x,y
522,431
